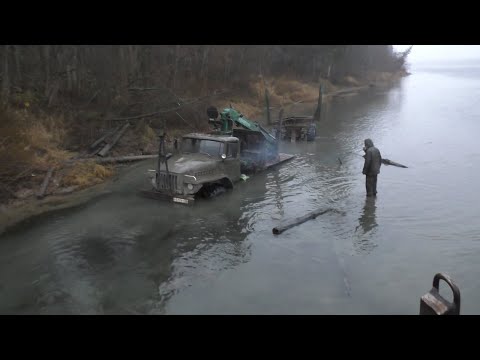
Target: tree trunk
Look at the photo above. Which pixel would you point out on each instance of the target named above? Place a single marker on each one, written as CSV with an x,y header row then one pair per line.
x,y
204,70
123,66
175,69
17,65
69,78
117,137
74,70
318,111
133,52
46,54
45,183
52,96
242,56
226,66
267,106
5,77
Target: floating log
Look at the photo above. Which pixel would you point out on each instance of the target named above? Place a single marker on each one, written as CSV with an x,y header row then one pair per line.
x,y
300,220
117,137
44,186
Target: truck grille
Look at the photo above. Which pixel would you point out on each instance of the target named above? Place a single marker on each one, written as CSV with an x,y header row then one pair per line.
x,y
167,181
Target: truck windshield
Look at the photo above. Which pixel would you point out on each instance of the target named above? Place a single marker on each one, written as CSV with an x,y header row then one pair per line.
x,y
209,147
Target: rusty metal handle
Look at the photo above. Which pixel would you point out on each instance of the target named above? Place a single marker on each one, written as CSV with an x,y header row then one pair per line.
x,y
449,281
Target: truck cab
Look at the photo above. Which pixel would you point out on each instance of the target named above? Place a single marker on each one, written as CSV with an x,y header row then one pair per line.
x,y
205,164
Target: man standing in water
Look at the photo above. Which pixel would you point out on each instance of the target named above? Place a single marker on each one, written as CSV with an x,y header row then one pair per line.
x,y
371,168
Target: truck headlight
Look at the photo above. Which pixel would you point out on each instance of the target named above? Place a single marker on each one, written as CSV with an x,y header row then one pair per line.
x,y
190,187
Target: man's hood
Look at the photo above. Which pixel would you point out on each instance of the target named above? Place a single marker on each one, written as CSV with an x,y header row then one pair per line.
x,y
368,143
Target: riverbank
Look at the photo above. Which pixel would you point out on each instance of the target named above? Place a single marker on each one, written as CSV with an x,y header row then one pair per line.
x,y
18,211
75,182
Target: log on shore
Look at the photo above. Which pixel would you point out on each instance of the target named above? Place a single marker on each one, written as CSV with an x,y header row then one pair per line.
x,y
101,139
45,182
300,220
117,137
123,159
112,160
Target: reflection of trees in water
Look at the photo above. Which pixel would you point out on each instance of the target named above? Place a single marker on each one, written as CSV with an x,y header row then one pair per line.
x,y
367,222
278,195
201,246
344,112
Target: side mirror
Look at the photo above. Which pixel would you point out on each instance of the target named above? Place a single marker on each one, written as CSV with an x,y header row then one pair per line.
x,y
224,156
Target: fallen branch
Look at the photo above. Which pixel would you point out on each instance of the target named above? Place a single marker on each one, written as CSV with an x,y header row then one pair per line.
x,y
97,142
117,137
300,220
143,116
122,159
186,122
7,189
146,89
44,186
93,97
4,140
158,89
19,175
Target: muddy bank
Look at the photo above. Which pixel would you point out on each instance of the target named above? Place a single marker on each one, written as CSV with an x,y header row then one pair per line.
x,y
18,211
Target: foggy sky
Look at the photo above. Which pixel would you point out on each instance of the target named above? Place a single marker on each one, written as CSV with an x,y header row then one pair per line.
x,y
440,53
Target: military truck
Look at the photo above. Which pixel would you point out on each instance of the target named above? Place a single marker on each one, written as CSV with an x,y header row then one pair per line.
x,y
207,164
295,128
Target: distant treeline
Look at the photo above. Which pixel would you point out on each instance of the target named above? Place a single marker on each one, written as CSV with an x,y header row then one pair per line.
x,y
54,75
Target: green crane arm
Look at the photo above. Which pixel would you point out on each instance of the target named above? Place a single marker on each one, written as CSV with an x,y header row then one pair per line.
x,y
230,115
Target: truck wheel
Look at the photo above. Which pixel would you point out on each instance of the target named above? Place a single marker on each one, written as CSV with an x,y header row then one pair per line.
x,y
212,190
217,190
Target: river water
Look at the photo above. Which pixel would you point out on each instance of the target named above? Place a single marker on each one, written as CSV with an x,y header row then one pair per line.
x,y
123,254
